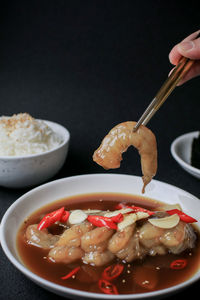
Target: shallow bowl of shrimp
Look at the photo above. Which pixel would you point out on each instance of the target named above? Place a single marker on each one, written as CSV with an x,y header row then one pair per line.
x,y
95,230
181,150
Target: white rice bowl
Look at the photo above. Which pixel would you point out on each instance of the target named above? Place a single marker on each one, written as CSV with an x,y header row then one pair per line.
x,y
31,151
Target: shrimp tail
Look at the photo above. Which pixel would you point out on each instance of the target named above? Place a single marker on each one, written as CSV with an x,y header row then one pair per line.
x,y
146,180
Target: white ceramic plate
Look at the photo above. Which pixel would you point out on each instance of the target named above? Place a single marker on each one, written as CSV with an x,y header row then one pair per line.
x,y
84,184
181,152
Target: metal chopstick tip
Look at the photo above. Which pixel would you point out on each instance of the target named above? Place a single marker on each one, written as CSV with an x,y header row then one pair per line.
x,y
135,128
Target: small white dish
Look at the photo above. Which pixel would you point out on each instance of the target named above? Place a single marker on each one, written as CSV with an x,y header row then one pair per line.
x,y
181,151
29,170
86,184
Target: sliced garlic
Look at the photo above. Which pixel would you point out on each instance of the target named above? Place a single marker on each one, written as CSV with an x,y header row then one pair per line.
x,y
142,215
119,211
77,216
166,222
128,220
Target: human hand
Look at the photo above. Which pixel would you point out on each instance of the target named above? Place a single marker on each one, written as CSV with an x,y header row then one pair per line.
x,y
190,48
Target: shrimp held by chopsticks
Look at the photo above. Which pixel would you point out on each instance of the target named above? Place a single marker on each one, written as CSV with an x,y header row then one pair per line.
x,y
117,141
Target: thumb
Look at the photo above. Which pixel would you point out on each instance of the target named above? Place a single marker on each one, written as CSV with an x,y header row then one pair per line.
x,y
190,49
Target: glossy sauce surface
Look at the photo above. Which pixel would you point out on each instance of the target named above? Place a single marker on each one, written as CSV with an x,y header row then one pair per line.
x,y
140,276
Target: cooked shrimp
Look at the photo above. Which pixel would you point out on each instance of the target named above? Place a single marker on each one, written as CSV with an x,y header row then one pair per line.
x,y
40,238
72,237
120,239
132,251
179,238
67,249
98,258
149,235
96,239
65,254
117,141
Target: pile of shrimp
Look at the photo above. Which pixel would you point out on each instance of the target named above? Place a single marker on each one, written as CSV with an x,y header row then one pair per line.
x,y
117,141
98,246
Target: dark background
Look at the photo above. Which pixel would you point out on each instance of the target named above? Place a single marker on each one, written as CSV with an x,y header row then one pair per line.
x,y
89,65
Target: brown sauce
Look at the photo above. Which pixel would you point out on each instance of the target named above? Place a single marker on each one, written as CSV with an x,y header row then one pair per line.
x,y
140,276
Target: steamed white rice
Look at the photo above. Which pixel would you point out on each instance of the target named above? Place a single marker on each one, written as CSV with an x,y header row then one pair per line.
x,y
21,134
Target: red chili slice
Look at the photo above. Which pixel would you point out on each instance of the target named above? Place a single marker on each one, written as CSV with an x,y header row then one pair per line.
x,y
118,218
51,218
184,217
70,274
135,208
178,264
101,221
112,271
107,287
65,216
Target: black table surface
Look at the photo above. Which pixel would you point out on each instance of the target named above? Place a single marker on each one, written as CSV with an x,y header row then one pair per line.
x,y
90,65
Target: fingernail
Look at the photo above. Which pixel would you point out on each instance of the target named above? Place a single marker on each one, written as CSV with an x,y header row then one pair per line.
x,y
186,46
